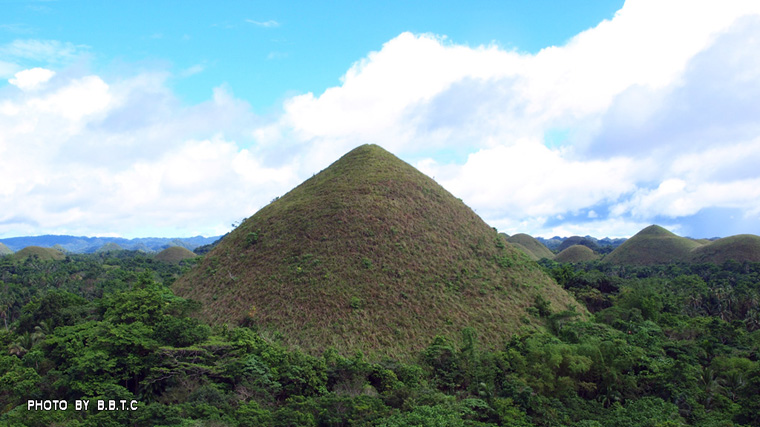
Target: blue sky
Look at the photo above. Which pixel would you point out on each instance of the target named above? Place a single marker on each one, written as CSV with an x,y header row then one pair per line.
x,y
546,117
265,51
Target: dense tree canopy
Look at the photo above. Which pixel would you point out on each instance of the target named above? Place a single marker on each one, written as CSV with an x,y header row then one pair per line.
x,y
669,345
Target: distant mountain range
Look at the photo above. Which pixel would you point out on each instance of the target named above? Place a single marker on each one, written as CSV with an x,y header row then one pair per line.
x,y
81,244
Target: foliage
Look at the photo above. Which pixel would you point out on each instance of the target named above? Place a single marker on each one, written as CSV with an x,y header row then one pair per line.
x,y
668,345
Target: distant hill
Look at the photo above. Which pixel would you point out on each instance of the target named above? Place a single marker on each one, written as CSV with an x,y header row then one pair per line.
x,y
44,254
109,247
91,244
371,255
604,245
4,250
742,247
652,245
576,253
175,254
530,246
589,242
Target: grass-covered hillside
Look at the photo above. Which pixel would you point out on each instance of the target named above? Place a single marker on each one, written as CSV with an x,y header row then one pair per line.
x,y
372,255
175,255
652,245
742,247
576,253
530,246
4,250
44,254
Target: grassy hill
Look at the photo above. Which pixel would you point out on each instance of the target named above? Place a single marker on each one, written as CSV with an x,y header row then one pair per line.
x,y
531,246
576,253
109,247
578,240
742,247
175,254
371,255
44,254
4,250
652,245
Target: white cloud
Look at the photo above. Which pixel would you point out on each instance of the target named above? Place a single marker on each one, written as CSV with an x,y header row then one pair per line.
x,y
266,24
87,156
31,79
52,51
421,96
657,108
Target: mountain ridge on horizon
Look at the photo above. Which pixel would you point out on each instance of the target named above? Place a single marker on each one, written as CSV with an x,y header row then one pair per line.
x,y
85,244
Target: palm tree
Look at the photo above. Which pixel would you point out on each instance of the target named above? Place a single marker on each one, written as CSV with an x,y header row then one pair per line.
x,y
21,345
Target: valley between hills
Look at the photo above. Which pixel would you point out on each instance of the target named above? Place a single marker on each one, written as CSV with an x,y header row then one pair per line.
x,y
370,295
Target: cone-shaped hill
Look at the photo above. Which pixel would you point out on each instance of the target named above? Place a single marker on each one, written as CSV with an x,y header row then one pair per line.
x,y
370,255
576,253
4,250
652,245
175,254
535,249
109,247
742,247
44,254
578,240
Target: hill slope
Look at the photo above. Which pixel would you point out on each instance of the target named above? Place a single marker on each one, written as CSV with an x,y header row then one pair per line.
x,y
742,247
371,255
4,250
535,249
652,245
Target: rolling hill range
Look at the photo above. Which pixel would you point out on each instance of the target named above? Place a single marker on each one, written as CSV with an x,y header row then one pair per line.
x,y
371,255
80,244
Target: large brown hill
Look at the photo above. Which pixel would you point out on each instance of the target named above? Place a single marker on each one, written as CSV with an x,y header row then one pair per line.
x,y
371,255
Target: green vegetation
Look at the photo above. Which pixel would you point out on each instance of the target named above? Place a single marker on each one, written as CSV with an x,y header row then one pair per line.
x,y
532,247
576,253
668,345
175,255
652,245
39,253
372,232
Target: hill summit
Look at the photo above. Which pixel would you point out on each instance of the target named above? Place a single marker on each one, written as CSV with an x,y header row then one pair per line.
x,y
371,255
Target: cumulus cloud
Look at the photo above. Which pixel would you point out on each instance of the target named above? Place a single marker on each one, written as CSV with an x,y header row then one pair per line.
x,y
87,156
31,79
649,115
637,103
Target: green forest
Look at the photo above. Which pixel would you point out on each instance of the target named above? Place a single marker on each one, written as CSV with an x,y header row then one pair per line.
x,y
669,345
